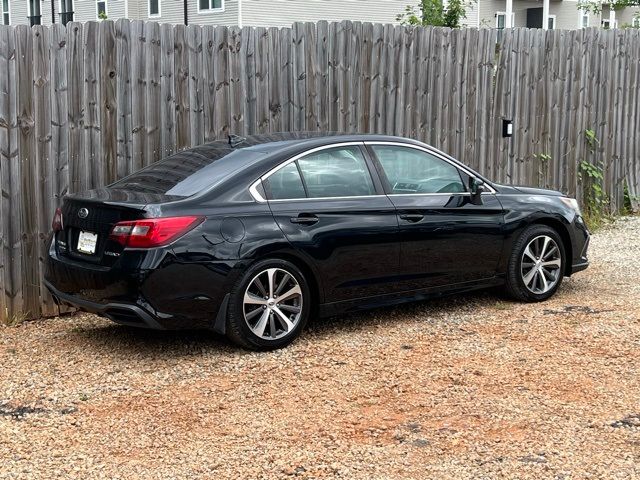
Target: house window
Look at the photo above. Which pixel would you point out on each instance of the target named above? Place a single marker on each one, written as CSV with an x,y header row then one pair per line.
x,y
501,23
606,24
101,9
66,11
154,8
210,5
551,22
6,20
636,22
583,20
35,15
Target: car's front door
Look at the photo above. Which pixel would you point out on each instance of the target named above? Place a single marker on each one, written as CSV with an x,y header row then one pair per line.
x,y
446,239
330,207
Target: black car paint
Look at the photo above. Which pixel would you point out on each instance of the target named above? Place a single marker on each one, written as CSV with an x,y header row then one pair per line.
x,y
381,258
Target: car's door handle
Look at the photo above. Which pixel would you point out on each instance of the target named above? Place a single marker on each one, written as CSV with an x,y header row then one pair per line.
x,y
412,217
305,219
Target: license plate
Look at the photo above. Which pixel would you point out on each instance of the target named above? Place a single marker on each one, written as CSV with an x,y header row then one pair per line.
x,y
87,242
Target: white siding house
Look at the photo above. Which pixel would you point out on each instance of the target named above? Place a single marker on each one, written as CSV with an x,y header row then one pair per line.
x,y
26,12
562,14
558,14
275,13
267,13
206,12
46,12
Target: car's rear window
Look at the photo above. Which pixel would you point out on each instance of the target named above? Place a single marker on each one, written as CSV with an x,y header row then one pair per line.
x,y
189,172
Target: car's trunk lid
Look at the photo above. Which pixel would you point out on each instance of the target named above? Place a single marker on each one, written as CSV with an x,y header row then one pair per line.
x,y
88,218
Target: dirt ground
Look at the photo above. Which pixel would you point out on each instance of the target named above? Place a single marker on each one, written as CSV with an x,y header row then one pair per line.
x,y
467,387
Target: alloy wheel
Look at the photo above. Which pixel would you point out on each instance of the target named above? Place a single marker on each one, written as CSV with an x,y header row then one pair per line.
x,y
272,304
541,264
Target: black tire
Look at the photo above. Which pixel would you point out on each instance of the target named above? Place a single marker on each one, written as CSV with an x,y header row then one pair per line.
x,y
515,283
238,329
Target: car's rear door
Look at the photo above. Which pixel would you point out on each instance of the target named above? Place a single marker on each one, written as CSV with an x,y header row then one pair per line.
x,y
331,208
445,239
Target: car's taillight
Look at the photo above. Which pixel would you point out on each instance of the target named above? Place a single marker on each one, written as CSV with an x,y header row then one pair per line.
x,y
57,221
152,232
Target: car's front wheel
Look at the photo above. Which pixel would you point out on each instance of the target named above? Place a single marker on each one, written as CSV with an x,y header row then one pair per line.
x,y
269,306
537,264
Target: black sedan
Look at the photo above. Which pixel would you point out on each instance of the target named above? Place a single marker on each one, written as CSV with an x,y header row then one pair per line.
x,y
253,236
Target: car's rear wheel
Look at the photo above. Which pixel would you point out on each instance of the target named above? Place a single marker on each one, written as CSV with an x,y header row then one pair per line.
x,y
269,305
537,264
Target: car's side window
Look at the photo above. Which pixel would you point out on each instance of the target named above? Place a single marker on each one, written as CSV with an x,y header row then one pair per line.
x,y
336,172
285,183
415,171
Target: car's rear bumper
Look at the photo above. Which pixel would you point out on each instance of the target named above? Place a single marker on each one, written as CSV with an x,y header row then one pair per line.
x,y
122,313
174,294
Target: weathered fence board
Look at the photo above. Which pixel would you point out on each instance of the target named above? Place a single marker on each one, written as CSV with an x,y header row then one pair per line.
x,y
237,97
208,82
11,232
92,128
27,184
262,79
84,105
247,60
108,102
196,76
167,90
181,81
153,113
139,49
123,85
274,67
221,113
45,174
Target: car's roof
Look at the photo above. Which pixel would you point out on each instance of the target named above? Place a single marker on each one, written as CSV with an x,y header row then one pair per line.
x,y
270,142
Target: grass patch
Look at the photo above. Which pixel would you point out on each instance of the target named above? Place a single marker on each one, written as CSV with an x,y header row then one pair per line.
x,y
502,305
13,320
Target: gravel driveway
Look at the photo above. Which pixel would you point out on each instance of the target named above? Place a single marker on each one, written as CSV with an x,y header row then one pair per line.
x,y
470,387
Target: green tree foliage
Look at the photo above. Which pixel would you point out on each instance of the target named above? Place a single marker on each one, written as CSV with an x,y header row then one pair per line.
x,y
435,13
596,6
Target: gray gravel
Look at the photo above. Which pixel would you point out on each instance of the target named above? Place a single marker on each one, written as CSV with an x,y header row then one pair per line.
x,y
468,387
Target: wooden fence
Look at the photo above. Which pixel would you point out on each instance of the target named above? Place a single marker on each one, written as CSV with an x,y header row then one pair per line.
x,y
84,105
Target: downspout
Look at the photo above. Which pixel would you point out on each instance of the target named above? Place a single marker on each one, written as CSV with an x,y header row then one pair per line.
x,y
186,12
240,13
53,12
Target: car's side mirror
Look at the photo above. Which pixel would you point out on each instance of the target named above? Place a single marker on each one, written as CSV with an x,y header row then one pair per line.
x,y
476,187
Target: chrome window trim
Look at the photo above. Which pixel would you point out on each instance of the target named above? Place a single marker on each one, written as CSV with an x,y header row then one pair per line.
x,y
436,194
324,198
436,153
253,189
